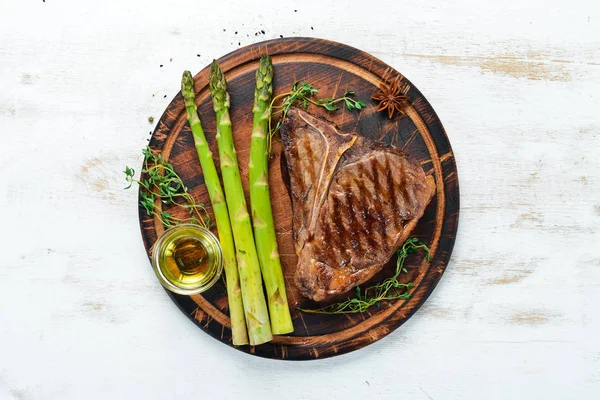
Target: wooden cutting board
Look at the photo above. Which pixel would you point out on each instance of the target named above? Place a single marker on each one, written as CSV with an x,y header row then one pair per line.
x,y
333,68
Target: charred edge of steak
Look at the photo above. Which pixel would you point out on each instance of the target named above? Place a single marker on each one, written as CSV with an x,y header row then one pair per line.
x,y
285,173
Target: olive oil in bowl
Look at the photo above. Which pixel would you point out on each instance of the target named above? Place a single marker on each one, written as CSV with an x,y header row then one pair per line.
x,y
187,259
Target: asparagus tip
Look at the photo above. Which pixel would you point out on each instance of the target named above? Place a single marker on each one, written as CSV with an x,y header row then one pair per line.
x,y
217,82
187,85
215,69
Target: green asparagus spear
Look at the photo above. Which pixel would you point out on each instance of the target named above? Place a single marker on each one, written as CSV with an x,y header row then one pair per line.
x,y
260,202
217,199
255,307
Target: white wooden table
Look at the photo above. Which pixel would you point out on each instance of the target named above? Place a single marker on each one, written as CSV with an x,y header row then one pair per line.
x,y
516,315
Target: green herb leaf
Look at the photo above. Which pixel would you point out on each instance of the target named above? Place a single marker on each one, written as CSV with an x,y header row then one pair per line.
x,y
301,95
160,182
389,289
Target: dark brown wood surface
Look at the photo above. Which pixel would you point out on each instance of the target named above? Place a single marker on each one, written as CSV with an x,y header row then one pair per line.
x,y
333,68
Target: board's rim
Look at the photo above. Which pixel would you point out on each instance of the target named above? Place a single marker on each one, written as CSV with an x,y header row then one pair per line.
x,y
449,239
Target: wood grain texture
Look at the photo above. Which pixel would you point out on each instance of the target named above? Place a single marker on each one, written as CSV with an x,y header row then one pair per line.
x,y
514,316
333,68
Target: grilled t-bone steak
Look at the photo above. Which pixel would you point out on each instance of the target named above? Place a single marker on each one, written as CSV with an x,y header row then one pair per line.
x,y
354,203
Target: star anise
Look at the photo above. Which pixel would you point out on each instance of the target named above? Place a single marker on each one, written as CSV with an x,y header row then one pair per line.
x,y
392,98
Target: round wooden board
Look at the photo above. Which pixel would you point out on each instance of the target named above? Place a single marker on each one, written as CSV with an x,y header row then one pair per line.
x,y
333,68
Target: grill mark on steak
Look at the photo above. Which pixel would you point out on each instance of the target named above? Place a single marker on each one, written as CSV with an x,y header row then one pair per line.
x,y
358,222
347,210
400,200
392,188
354,203
368,192
377,209
336,220
364,211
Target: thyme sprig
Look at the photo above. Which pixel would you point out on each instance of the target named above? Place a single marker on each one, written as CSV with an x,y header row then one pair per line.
x,y
302,94
389,289
161,182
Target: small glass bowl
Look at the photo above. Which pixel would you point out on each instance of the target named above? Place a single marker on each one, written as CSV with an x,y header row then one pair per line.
x,y
182,281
